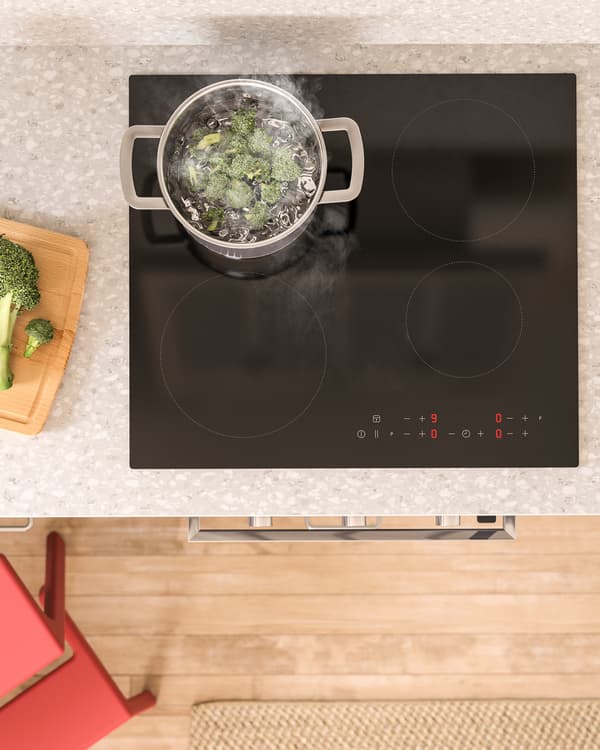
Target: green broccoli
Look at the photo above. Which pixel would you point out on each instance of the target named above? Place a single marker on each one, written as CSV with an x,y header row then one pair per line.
x,y
18,291
243,121
211,218
40,332
207,141
239,194
246,165
192,177
199,134
233,143
270,192
260,143
216,186
284,168
241,166
257,216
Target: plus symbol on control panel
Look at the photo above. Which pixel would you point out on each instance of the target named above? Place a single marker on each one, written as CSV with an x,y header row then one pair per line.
x,y
524,433
421,434
524,417
421,418
481,433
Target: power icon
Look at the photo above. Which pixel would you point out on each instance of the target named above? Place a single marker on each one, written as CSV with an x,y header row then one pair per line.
x,y
360,434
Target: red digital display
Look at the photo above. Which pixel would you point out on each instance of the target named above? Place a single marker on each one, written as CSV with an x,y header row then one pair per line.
x,y
433,433
498,417
498,434
434,417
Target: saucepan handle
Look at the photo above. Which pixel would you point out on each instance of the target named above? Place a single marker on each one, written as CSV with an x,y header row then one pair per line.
x,y
144,202
350,127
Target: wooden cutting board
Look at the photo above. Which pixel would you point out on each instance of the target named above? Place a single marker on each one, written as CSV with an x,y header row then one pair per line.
x,y
62,262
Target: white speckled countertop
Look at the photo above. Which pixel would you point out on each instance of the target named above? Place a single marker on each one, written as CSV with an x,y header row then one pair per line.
x,y
64,110
212,22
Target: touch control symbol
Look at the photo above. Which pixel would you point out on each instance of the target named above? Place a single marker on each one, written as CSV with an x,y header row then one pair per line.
x,y
466,433
481,433
361,434
421,434
524,433
376,418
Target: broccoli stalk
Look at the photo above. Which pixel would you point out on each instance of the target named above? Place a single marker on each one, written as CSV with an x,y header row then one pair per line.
x,y
18,291
8,317
40,332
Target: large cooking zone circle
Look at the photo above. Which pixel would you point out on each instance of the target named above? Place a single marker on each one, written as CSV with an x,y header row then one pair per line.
x,y
464,319
463,170
243,359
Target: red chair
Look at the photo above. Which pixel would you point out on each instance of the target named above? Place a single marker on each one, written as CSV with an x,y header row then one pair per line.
x,y
73,707
31,639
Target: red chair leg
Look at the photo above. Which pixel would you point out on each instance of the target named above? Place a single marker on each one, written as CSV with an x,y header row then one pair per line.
x,y
54,587
141,702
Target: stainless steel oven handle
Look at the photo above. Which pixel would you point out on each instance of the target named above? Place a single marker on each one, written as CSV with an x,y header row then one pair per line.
x,y
348,522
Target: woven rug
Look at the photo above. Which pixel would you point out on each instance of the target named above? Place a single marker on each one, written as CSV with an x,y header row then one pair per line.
x,y
407,725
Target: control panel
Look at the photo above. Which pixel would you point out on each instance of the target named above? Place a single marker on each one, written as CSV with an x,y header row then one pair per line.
x,y
432,425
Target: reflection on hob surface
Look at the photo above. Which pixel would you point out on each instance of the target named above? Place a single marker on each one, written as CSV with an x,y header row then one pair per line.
x,y
432,322
463,170
236,365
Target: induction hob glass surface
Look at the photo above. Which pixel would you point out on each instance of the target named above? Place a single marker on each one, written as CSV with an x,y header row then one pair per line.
x,y
432,322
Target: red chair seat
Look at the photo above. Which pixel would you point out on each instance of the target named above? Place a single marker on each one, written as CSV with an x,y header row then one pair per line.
x,y
72,708
28,643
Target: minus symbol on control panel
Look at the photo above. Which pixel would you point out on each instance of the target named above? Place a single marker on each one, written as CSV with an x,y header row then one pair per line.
x,y
406,418
509,418
407,434
509,433
452,433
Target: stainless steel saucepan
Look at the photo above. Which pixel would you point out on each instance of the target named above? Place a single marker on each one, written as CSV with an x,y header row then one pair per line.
x,y
240,258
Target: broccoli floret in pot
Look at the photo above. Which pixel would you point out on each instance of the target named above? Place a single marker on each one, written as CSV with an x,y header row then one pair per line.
x,y
257,216
284,169
243,121
270,192
216,186
239,194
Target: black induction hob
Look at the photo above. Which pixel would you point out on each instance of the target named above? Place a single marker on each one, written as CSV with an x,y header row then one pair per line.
x,y
431,323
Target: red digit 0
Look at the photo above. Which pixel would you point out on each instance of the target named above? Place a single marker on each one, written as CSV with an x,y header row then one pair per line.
x,y
498,434
498,417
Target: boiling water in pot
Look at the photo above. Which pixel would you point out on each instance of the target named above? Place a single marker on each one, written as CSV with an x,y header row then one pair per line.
x,y
244,166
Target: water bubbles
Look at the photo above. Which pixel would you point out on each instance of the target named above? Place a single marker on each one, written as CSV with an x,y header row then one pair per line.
x,y
307,185
191,209
195,167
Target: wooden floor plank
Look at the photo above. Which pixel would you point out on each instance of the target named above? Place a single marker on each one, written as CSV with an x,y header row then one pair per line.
x,y
379,574
357,653
424,613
